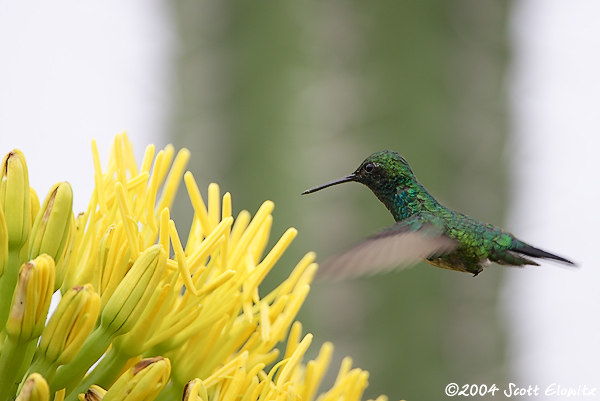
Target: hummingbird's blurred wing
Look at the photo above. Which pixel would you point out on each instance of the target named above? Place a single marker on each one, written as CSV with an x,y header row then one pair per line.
x,y
399,246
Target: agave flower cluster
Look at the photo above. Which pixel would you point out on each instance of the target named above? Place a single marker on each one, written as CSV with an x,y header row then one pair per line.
x,y
135,322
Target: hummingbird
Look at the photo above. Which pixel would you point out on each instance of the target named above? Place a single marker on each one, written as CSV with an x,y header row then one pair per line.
x,y
424,229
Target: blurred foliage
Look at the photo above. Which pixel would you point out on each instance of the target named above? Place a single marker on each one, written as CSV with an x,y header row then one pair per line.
x,y
274,98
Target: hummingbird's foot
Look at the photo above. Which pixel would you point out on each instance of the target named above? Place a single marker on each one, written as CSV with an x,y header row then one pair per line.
x,y
477,272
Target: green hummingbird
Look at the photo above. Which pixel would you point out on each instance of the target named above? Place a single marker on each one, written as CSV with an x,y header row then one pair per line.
x,y
424,229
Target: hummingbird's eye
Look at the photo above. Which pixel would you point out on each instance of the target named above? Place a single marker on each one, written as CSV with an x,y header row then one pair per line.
x,y
369,167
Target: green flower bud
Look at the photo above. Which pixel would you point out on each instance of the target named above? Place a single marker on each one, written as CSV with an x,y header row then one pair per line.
x,y
142,382
132,294
34,204
3,243
71,267
114,261
70,324
27,315
64,259
51,230
121,313
31,299
15,198
35,389
15,202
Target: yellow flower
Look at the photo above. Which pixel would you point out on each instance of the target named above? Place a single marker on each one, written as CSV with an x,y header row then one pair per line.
x,y
192,323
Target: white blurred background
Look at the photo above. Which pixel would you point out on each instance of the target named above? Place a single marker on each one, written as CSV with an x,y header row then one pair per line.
x,y
74,71
555,94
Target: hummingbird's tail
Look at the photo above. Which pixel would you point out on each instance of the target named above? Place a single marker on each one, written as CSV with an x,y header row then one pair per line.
x,y
538,253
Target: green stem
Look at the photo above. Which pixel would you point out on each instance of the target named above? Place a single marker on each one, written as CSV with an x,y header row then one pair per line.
x,y
26,362
42,366
8,282
67,376
170,393
10,359
103,375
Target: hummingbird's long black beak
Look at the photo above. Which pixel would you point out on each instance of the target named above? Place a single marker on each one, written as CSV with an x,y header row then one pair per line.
x,y
351,177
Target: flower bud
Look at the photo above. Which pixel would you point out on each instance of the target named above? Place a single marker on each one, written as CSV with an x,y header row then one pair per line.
x,y
72,263
119,315
31,299
15,198
95,393
142,382
132,294
34,204
64,259
195,390
114,261
34,208
35,389
70,324
52,227
3,243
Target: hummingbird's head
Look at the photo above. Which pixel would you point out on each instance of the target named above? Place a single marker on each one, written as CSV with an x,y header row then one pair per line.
x,y
382,172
